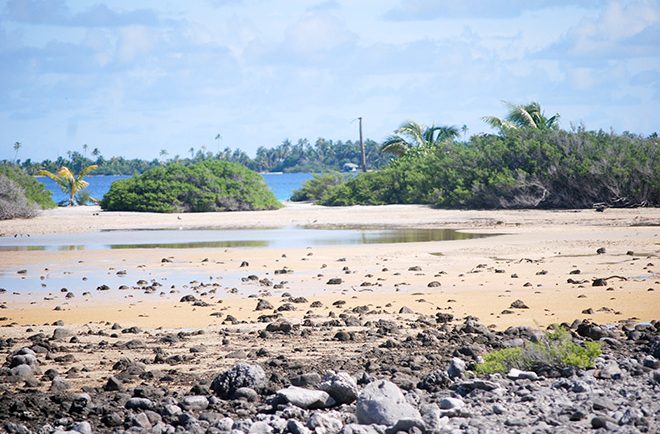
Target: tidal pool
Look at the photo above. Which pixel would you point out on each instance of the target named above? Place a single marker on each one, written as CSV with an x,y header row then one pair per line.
x,y
213,237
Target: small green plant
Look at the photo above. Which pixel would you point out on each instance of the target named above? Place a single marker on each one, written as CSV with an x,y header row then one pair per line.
x,y
69,183
556,350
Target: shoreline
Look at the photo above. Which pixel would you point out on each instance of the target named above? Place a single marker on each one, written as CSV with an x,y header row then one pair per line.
x,y
532,259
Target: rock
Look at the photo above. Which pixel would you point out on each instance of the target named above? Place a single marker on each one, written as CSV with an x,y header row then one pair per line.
x,y
139,404
451,403
246,394
599,282
516,374
305,398
601,251
327,421
468,386
62,333
279,327
113,385
263,305
434,284
456,368
334,281
592,331
405,309
341,386
83,427
599,422
295,427
610,370
519,304
382,403
310,380
240,375
407,425
195,403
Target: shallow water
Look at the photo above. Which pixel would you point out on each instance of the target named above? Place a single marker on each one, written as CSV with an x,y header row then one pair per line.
x,y
210,237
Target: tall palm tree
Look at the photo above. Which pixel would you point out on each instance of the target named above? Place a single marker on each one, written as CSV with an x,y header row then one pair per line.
x,y
85,148
163,153
17,146
523,116
411,134
69,183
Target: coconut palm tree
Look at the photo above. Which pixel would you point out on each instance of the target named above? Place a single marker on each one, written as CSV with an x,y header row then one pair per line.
x,y
17,146
523,116
69,183
411,134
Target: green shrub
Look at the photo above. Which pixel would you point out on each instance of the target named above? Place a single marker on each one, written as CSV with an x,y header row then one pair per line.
x,y
211,185
34,191
555,350
518,169
315,188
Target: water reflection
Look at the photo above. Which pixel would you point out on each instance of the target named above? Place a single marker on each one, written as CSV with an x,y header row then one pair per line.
x,y
209,238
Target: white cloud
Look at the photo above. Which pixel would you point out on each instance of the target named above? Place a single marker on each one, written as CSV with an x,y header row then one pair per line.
x,y
135,41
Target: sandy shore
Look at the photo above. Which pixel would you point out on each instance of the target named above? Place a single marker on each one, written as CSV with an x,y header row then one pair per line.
x,y
532,261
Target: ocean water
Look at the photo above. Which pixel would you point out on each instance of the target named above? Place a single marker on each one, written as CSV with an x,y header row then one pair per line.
x,y
281,184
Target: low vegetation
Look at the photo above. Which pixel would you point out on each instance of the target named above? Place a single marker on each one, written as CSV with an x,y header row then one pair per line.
x,y
518,168
34,191
555,350
201,187
314,189
21,196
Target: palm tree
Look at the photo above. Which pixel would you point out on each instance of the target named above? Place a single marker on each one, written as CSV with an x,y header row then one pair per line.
x,y
523,116
163,154
412,134
17,146
85,147
192,152
69,183
96,152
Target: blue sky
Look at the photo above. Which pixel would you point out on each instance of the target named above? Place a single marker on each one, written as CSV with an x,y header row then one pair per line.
x,y
133,77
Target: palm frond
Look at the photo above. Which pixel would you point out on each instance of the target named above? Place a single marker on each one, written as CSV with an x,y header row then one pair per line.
x,y
412,130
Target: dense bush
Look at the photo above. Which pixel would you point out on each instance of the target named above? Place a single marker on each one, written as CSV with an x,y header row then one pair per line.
x,y
517,169
34,191
315,188
13,203
202,187
555,350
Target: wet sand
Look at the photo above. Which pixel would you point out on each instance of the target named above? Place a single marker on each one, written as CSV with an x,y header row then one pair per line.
x,y
532,261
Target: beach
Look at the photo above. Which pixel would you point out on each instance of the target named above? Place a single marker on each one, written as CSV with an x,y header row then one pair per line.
x,y
531,256
169,320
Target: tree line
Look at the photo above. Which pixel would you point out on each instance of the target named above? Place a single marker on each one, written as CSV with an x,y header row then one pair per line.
x,y
302,156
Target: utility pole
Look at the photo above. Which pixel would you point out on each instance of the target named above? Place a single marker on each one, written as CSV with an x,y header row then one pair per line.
x,y
364,155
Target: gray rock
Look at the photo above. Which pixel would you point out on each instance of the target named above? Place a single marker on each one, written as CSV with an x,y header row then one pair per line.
x,y
139,404
24,359
329,422
456,368
451,403
353,428
468,386
246,393
83,427
61,333
341,386
311,380
517,374
264,305
382,403
433,418
600,422
406,425
23,372
260,428
295,427
240,375
113,385
171,410
194,402
305,398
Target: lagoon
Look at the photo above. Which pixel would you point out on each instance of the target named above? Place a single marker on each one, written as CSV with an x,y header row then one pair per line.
x,y
281,184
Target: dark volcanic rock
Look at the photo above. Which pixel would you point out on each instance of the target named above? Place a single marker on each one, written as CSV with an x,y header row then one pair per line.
x,y
240,375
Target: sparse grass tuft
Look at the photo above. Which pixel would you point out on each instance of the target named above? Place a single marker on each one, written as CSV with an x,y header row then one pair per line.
x,y
555,350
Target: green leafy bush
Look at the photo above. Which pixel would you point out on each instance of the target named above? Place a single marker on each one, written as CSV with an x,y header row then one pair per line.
x,y
34,191
211,185
517,169
555,350
313,189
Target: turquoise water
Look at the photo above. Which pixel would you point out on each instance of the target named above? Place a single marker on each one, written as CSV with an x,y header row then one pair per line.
x,y
281,184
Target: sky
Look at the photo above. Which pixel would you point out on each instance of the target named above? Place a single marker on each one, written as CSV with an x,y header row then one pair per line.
x,y
133,77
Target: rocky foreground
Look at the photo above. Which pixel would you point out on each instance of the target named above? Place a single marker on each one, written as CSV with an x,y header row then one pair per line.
x,y
341,375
